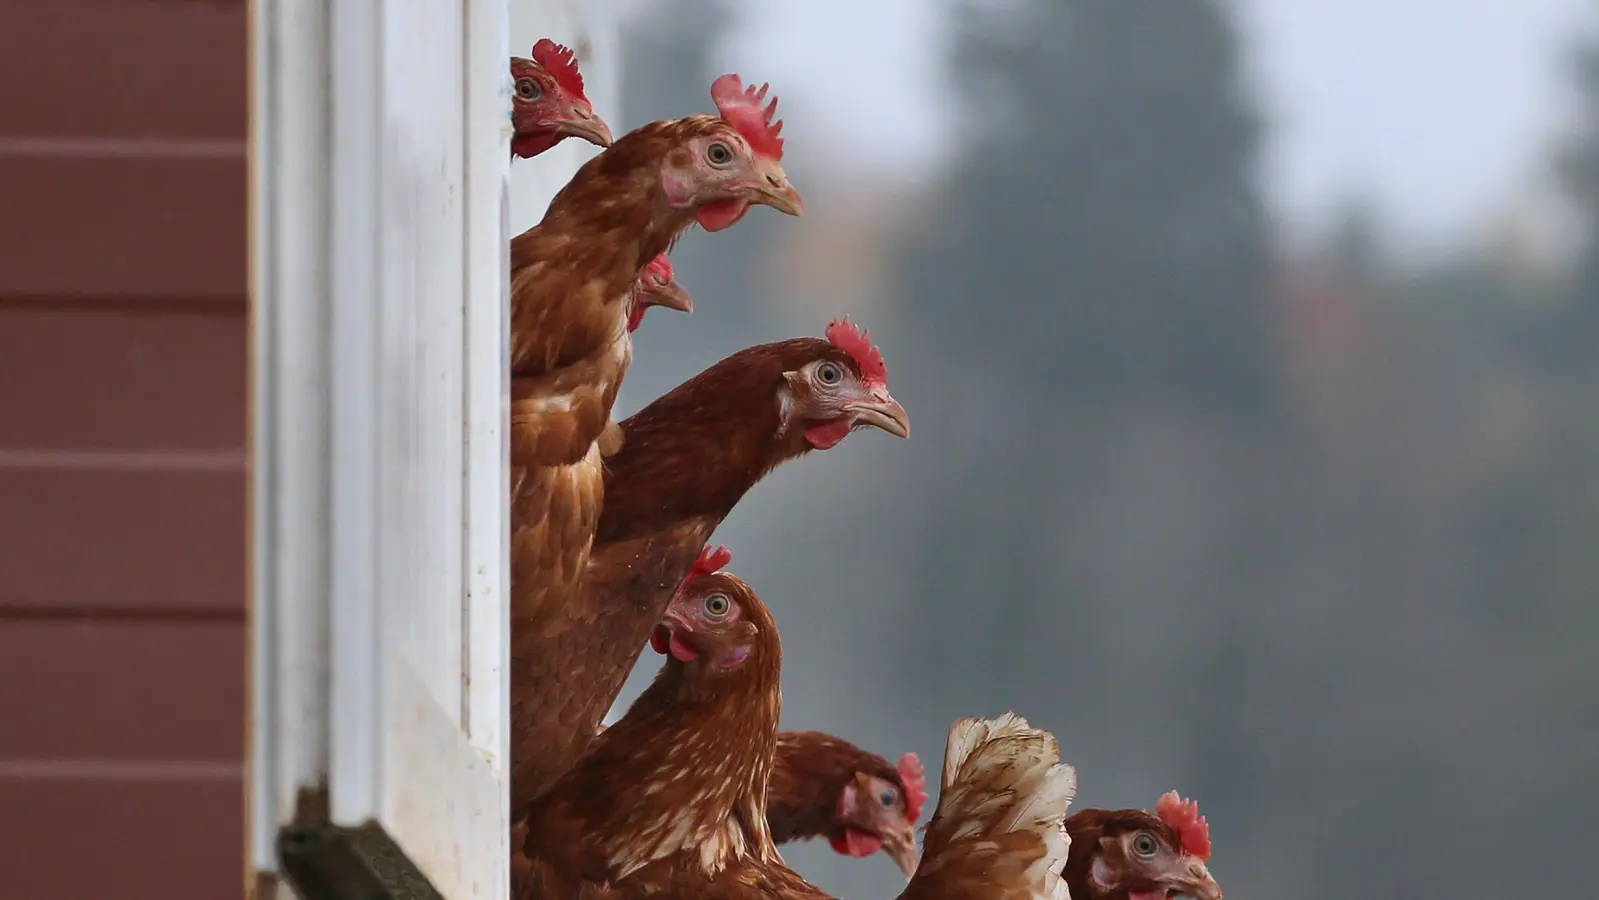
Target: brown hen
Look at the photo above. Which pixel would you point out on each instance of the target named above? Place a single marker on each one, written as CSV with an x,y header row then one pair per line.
x,y
827,787
565,499
669,802
603,820
687,459
573,280
1130,854
548,105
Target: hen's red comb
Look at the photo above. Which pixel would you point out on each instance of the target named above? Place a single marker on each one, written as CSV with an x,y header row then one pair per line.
x,y
561,63
858,344
1184,818
712,559
915,778
741,107
661,267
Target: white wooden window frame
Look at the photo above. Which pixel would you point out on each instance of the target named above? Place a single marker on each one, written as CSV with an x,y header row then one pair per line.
x,y
381,212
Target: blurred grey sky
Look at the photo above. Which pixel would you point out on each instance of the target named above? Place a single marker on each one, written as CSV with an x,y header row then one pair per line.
x,y
1467,85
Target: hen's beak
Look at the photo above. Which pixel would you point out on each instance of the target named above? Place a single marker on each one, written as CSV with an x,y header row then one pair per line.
x,y
774,190
901,848
1192,880
670,296
584,124
671,629
881,411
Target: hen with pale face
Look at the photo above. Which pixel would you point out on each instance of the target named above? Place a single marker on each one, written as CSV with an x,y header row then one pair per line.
x,y
707,623
733,162
548,105
831,399
1131,854
875,815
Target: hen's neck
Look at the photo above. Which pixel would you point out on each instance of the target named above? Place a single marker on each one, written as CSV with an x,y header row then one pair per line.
x,y
809,772
696,451
618,194
795,811
617,213
573,273
700,747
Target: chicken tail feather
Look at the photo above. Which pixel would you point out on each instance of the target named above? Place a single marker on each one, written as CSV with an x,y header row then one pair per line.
x,y
1000,823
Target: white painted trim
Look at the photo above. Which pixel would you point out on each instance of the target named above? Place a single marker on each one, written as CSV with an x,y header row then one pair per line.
x,y
260,720
289,561
487,389
356,156
379,533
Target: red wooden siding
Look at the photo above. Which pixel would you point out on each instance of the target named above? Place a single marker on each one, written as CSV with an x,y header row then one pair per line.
x,y
122,422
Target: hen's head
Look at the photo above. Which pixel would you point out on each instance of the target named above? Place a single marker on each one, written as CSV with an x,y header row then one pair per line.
x,y
714,622
880,814
548,105
1130,854
658,287
842,390
723,164
697,449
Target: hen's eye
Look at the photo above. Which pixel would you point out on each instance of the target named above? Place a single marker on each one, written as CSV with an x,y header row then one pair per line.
x,y
527,89
717,605
719,153
829,373
1145,845
887,797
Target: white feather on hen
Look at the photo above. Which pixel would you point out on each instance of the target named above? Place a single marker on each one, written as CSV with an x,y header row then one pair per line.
x,y
1001,777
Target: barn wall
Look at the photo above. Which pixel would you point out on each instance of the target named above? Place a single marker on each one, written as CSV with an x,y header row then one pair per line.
x,y
122,429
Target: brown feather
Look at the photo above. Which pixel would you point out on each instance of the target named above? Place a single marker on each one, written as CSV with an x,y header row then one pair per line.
x,y
555,495
611,439
572,282
554,511
676,879
687,459
555,417
573,277
546,715
999,829
809,773
572,274
647,812
644,791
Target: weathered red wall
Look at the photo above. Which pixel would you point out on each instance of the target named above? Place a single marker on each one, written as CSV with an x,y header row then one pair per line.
x,y
122,423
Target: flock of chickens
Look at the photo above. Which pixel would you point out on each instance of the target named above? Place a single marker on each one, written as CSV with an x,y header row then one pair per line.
x,y
689,794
